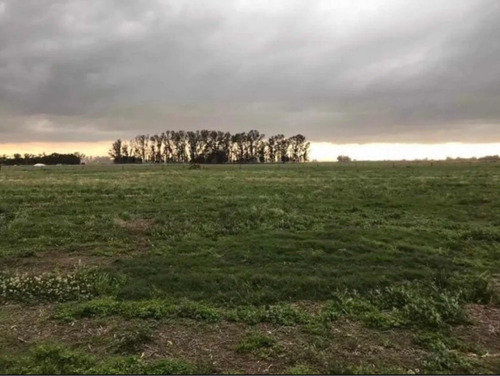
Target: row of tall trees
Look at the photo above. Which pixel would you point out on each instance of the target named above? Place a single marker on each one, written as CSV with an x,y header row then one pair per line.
x,y
207,146
51,159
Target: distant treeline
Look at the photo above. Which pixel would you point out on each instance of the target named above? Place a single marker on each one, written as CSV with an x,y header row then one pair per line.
x,y
210,147
52,159
488,158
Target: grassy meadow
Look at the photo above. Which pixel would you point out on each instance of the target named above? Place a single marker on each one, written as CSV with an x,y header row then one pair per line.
x,y
310,268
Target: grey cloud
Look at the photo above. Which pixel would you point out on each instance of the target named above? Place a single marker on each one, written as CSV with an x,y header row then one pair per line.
x,y
343,71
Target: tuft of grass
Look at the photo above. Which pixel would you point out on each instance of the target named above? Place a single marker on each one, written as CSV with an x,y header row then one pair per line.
x,y
55,359
280,314
301,369
152,309
261,345
196,311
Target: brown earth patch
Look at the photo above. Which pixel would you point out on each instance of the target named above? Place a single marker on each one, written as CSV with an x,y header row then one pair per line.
x,y
357,345
345,343
484,334
52,260
486,329
211,345
313,308
34,324
138,225
66,261
349,344
138,229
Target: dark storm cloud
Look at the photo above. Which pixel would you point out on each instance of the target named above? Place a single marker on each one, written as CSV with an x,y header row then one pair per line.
x,y
340,71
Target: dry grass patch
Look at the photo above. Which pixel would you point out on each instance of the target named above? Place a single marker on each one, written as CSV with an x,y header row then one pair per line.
x,y
138,229
49,261
484,335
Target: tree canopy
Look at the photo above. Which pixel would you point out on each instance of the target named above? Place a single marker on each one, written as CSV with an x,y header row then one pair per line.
x,y
51,159
209,146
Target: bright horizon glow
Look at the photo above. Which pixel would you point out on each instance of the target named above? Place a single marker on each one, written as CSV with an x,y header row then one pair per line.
x,y
325,151
320,151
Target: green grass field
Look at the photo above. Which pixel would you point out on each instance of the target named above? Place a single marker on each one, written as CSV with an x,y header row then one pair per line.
x,y
313,268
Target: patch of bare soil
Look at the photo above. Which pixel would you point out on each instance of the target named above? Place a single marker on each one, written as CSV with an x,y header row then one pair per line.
x,y
485,332
139,225
355,344
313,308
216,346
346,343
138,228
34,324
213,345
349,344
67,261
52,260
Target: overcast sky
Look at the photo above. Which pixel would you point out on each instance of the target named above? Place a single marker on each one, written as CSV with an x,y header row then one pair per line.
x,y
335,71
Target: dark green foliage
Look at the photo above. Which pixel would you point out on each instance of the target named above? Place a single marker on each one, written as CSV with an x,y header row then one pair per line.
x,y
213,147
154,309
51,359
281,314
58,359
51,159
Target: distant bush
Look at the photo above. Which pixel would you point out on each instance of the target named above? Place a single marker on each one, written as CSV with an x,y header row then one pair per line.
x,y
194,166
51,159
490,158
343,158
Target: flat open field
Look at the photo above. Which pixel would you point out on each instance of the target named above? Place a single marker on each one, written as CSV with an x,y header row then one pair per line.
x,y
314,268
